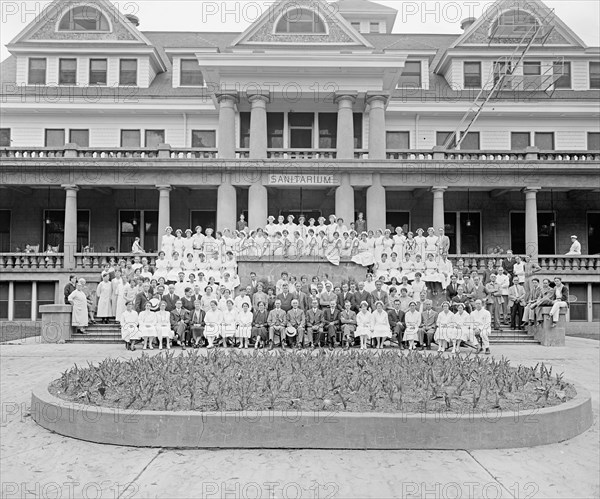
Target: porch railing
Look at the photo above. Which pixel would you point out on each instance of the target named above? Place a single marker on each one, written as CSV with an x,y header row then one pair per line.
x,y
301,153
31,261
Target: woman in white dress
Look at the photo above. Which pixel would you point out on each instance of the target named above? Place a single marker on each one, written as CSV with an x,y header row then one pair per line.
x,y
79,313
167,242
213,267
410,246
161,266
445,270
364,255
188,243
230,266
244,326
210,243
225,296
378,245
178,242
212,320
163,326
382,268
462,319
147,325
364,325
129,326
431,242
104,296
229,324
420,240
381,325
388,242
198,241
418,286
395,267
121,299
174,267
446,329
431,276
412,319
370,283
399,240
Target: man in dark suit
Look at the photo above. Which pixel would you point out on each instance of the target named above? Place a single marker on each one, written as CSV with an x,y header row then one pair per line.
x,y
362,295
170,298
380,295
180,320
69,288
508,264
461,297
253,283
429,324
345,296
301,296
331,323
396,319
452,288
314,323
142,297
286,298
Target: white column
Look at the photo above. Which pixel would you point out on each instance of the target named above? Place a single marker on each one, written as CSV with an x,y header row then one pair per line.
x,y
377,135
34,301
438,207
258,125
258,205
164,209
11,301
70,233
226,205
226,140
344,200
531,222
345,125
376,204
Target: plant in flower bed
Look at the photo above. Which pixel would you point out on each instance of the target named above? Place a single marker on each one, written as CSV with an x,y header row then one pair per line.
x,y
308,381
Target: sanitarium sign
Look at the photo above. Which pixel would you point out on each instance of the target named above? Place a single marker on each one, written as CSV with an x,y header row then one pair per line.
x,y
302,180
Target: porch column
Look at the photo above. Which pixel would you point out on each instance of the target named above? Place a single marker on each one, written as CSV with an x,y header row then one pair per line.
x,y
258,125
376,204
227,103
258,205
70,234
438,207
345,125
164,209
531,222
344,200
377,136
226,204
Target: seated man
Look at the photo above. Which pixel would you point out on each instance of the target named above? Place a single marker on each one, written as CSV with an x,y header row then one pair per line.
x,y
296,321
277,322
429,324
530,312
327,296
331,322
396,317
314,323
481,321
461,297
180,320
561,300
348,321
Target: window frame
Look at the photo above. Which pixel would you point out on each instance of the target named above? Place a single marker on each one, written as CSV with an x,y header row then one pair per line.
x,y
121,73
139,132
512,134
411,74
46,130
153,130
389,133
589,134
283,17
594,77
78,130
3,134
29,70
568,76
552,134
181,74
472,75
84,237
5,235
61,72
91,71
292,128
141,223
214,133
71,28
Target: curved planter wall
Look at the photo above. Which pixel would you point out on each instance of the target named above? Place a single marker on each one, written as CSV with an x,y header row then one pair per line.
x,y
321,430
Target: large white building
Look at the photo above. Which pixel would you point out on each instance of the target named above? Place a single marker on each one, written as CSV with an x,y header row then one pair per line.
x,y
109,132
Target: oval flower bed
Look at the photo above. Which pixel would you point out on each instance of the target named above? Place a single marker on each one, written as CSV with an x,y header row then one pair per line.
x,y
388,382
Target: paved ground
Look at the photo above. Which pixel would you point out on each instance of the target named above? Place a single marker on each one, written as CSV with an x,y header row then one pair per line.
x,y
37,463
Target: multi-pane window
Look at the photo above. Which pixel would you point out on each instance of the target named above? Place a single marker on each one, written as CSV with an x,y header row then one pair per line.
x,y
358,130
398,140
595,302
45,295
79,137
5,216
67,71
275,130
472,74
4,137
593,232
300,21
4,300
532,71
54,228
245,130
54,137
131,138
544,141
519,141
204,138
301,130
154,137
442,137
562,73
83,18
411,75
546,234
578,293
374,27
142,224
98,71
328,130
594,75
128,72
37,71
190,74
593,141
470,142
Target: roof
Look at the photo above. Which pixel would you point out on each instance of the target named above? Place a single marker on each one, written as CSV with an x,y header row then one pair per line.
x,y
360,6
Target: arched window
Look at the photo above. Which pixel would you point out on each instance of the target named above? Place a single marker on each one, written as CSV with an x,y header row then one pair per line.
x,y
84,18
514,22
300,21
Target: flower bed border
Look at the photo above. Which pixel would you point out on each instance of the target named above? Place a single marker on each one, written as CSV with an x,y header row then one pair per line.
x,y
306,430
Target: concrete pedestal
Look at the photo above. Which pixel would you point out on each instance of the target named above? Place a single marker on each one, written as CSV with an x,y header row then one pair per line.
x,y
56,323
550,336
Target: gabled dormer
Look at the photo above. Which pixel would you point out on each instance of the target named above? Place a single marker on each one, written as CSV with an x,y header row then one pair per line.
x,y
366,16
80,44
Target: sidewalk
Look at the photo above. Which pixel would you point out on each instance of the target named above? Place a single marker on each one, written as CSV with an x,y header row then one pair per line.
x,y
36,463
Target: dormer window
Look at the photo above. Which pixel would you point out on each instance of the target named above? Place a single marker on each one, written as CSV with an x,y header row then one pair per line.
x,y
84,18
513,23
300,21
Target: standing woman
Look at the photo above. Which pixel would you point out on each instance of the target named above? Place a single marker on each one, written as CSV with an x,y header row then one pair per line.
x,y
411,246
79,314
117,289
167,241
364,325
161,266
212,323
381,325
431,242
244,325
147,324
163,326
104,296
122,291
178,242
129,326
